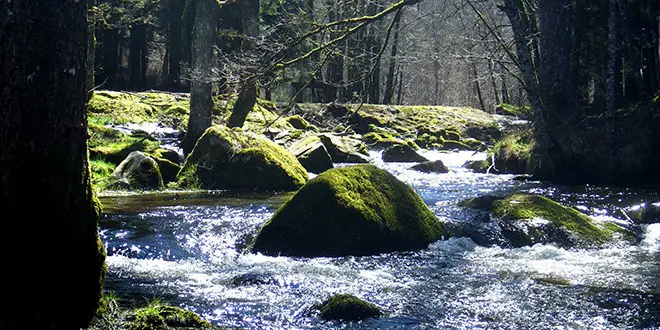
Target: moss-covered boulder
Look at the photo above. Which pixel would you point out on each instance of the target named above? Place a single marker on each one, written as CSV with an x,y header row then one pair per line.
x,y
477,166
137,172
344,149
513,153
525,219
436,166
402,153
225,158
355,210
347,307
312,154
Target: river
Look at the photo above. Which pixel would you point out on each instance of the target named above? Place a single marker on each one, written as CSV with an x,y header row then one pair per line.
x,y
190,250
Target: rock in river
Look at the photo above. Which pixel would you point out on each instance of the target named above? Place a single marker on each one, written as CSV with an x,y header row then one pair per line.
x,y
355,210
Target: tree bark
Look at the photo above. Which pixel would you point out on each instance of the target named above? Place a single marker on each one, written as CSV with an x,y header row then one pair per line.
x,y
388,94
201,102
53,267
175,43
138,56
247,93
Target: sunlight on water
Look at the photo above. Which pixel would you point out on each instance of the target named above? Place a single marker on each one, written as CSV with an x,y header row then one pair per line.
x,y
197,256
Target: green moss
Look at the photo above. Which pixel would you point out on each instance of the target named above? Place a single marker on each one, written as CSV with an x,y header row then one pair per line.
x,y
356,210
113,107
521,206
348,308
297,122
524,112
513,153
233,159
100,173
158,316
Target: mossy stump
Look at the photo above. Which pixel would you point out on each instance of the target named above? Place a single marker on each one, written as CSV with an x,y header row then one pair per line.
x,y
356,210
347,307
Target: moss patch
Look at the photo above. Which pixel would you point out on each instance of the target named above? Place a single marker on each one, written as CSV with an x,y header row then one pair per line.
x,y
348,308
233,159
527,207
356,210
114,107
157,316
513,153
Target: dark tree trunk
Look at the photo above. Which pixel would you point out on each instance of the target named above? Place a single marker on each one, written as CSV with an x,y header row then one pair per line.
x,y
247,97
525,33
388,94
53,260
201,102
175,43
138,56
247,93
91,48
335,70
110,59
477,86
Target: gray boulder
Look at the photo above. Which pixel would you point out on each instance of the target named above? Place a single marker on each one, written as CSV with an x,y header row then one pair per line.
x,y
312,154
137,172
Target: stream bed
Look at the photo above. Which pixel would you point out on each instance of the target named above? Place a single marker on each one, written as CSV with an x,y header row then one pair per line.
x,y
191,250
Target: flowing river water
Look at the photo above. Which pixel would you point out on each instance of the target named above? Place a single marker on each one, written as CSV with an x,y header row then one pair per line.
x,y
191,250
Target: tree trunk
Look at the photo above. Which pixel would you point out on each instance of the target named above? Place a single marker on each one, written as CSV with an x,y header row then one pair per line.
x,y
110,58
91,48
388,94
477,86
525,32
201,102
247,97
247,93
53,260
175,43
138,56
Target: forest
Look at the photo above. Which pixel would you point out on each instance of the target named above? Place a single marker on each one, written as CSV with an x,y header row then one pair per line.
x,y
284,178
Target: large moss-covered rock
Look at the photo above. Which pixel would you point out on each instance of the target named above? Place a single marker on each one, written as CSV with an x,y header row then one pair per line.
x,y
312,154
525,219
347,307
137,171
225,158
356,210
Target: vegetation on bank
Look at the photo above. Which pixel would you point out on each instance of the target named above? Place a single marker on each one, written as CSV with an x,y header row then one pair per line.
x,y
155,315
377,127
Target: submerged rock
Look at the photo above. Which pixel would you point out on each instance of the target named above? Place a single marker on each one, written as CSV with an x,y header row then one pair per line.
x,y
525,219
477,166
646,213
436,166
347,307
225,158
402,153
137,171
356,210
